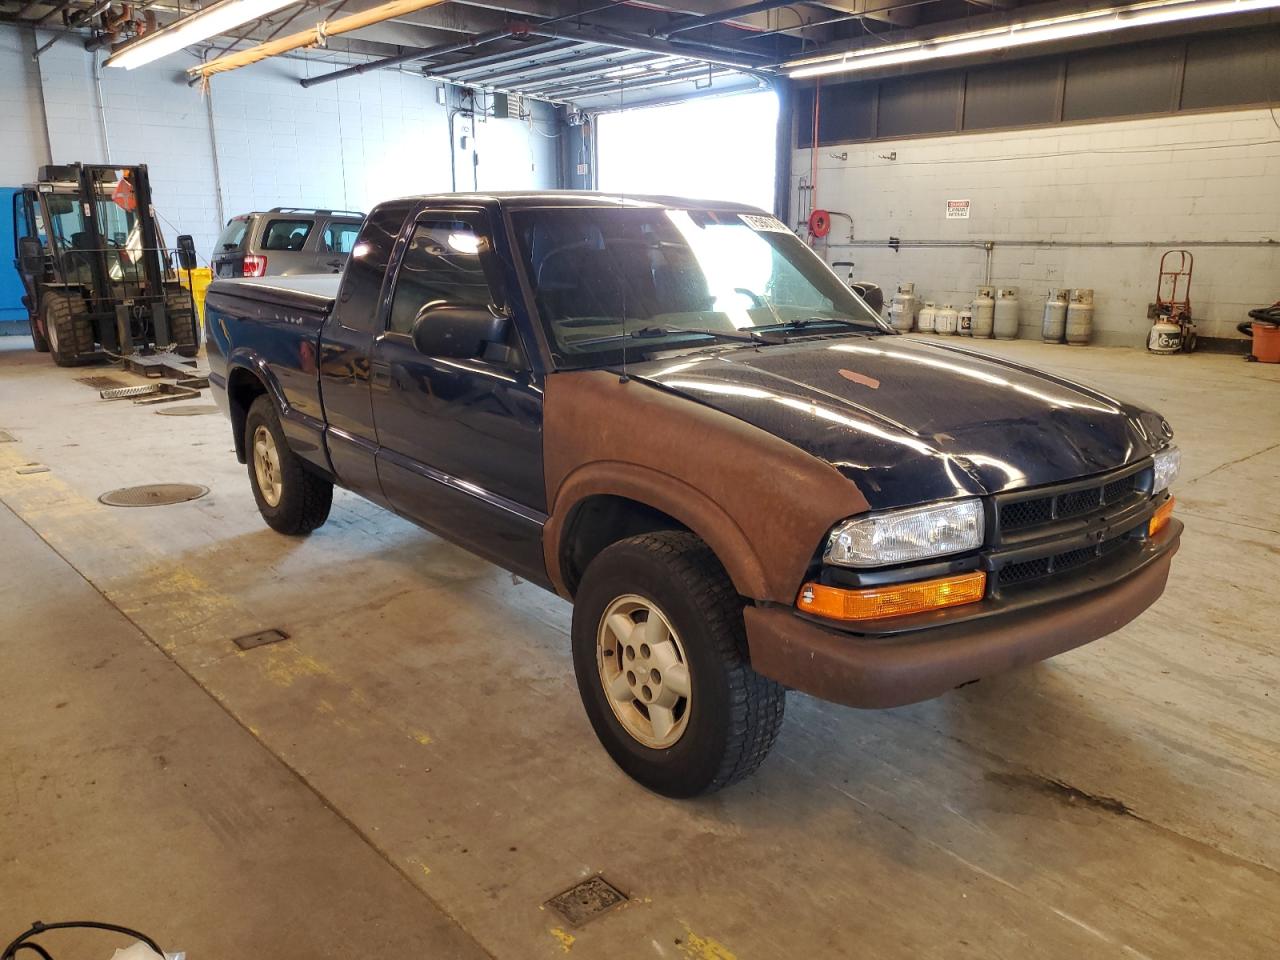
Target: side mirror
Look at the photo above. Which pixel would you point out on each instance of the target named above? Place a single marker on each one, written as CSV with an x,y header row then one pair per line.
x,y
31,255
186,252
459,331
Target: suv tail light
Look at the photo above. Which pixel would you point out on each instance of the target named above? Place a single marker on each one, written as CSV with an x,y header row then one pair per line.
x,y
255,265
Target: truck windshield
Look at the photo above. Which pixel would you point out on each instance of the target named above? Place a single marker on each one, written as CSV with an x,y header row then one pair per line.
x,y
599,276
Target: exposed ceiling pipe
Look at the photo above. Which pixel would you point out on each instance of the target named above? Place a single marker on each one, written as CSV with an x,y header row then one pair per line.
x,y
57,9
694,22
539,48
538,73
419,53
308,38
628,41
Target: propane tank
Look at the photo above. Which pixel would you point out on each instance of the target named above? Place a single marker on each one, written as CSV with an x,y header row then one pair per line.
x,y
1165,337
925,320
1080,316
964,322
946,321
902,312
1005,316
1055,316
984,311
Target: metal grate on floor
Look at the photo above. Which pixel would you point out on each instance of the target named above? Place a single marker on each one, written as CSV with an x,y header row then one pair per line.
x,y
102,383
586,900
188,411
153,495
260,639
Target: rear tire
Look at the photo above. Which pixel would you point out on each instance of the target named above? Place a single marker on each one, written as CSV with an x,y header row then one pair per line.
x,y
69,331
38,339
291,498
184,322
725,725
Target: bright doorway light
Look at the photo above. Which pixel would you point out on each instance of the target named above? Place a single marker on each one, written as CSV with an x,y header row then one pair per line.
x,y
716,148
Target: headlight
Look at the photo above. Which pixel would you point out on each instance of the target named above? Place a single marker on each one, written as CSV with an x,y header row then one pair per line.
x,y
905,535
1168,462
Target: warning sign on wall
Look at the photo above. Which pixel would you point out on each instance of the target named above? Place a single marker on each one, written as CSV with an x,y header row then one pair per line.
x,y
957,209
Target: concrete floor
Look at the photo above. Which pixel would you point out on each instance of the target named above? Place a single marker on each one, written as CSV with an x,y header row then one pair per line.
x,y
411,773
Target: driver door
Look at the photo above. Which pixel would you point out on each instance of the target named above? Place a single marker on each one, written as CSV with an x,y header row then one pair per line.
x,y
459,437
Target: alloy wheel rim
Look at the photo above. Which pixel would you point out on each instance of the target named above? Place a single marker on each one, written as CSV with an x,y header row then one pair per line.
x,y
644,671
266,466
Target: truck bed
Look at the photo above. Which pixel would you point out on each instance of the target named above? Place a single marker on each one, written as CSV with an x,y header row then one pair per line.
x,y
314,292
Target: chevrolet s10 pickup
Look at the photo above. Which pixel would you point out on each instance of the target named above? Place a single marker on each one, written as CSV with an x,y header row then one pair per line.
x,y
676,416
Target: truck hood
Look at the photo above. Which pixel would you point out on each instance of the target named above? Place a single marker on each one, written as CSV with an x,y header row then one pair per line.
x,y
910,420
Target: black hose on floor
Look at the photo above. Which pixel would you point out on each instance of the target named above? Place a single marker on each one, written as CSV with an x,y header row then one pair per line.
x,y
24,940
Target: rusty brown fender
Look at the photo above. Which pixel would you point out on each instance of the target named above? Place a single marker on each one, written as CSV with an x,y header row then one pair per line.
x,y
760,503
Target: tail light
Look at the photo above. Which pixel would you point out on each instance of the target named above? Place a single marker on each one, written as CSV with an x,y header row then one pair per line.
x,y
255,265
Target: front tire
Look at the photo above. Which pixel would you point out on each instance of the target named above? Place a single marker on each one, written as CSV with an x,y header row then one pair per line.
x,y
68,329
659,650
291,498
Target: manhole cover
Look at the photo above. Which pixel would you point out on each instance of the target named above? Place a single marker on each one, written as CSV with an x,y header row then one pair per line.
x,y
586,900
101,383
197,411
153,495
259,639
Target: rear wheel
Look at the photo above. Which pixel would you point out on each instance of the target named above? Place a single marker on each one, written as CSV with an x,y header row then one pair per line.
x,y
291,498
659,650
184,322
68,329
38,339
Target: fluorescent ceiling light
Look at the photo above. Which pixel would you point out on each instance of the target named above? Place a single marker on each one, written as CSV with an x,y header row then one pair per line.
x,y
211,21
1023,34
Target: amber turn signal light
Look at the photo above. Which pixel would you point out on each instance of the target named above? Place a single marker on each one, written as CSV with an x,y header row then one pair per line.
x,y
893,600
1160,517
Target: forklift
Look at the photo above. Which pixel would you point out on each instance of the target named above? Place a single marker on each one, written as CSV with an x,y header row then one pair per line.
x,y
98,282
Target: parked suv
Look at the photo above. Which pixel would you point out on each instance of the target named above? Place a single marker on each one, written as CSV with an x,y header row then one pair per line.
x,y
285,241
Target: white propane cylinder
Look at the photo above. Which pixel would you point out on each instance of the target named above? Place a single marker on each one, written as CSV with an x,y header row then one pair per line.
x,y
984,312
1080,316
947,319
964,322
1005,322
1054,326
926,318
1165,337
902,312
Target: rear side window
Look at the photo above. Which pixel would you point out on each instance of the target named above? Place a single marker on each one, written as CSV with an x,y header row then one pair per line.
x,y
442,264
232,235
340,237
286,234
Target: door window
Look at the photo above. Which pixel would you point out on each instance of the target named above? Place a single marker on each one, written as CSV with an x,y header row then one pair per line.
x,y
444,263
286,234
340,237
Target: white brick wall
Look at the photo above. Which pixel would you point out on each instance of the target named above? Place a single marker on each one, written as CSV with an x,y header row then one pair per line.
x,y
348,144
1186,178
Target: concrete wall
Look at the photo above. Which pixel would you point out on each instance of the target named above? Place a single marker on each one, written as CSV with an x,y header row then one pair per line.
x,y
348,144
1168,181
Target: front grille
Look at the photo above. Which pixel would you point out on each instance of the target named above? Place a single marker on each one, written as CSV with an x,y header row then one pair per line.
x,y
1021,513
1025,571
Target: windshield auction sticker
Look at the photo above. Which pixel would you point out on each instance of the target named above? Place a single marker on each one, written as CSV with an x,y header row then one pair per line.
x,y
766,224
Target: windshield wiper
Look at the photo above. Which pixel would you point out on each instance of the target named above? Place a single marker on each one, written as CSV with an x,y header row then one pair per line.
x,y
644,333
818,322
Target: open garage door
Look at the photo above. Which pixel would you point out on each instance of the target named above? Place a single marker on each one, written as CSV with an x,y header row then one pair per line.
x,y
719,148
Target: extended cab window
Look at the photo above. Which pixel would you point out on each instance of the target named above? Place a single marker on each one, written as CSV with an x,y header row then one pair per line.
x,y
442,264
286,234
340,237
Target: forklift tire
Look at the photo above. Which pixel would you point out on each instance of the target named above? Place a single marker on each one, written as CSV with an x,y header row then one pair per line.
x,y
70,333
37,336
183,322
291,498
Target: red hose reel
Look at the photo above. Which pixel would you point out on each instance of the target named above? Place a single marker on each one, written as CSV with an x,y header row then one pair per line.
x,y
819,223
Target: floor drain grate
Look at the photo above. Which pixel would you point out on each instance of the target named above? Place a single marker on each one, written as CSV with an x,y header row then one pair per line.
x,y
586,900
197,411
153,495
102,383
259,639
7,437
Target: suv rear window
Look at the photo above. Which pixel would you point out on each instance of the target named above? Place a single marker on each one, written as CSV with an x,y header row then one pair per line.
x,y
286,234
340,237
232,235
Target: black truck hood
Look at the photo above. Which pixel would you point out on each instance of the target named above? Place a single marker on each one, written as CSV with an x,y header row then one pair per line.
x,y
911,420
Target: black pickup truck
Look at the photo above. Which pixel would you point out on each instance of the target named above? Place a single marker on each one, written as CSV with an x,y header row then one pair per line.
x,y
676,416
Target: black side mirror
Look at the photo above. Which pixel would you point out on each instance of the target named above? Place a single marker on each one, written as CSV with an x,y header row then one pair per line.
x,y
459,331
31,255
186,252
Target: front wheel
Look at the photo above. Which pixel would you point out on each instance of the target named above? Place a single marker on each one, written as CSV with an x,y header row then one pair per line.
x,y
659,650
291,498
